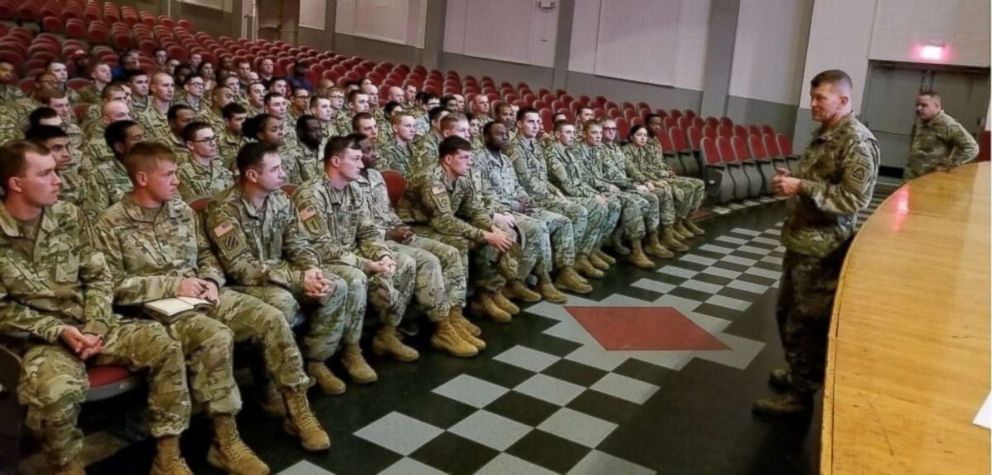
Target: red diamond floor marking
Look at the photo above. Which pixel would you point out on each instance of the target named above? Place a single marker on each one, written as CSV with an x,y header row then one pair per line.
x,y
644,328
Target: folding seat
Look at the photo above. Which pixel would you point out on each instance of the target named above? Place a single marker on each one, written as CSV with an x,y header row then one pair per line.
x,y
754,130
623,127
724,131
110,12
755,177
75,28
734,168
600,101
687,156
28,12
636,121
91,14
726,121
41,57
713,122
719,184
667,149
26,85
690,113
611,105
785,149
675,113
8,11
740,131
614,113
763,158
98,33
767,130
710,131
684,122
630,114
10,56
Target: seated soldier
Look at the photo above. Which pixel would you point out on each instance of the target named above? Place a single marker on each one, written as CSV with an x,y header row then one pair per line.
x,y
256,232
149,217
100,77
342,232
95,148
56,287
61,73
214,115
107,182
444,206
193,89
441,280
230,138
397,154
154,119
305,156
320,107
179,116
202,174
59,102
57,141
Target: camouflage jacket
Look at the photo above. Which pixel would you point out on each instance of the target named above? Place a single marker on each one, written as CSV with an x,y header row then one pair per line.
x,y
531,167
838,171
150,252
56,279
633,155
154,123
450,208
103,186
198,181
373,190
301,163
613,165
496,182
569,172
423,154
337,225
259,247
396,156
940,142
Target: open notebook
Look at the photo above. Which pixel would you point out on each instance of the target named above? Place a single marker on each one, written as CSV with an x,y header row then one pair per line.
x,y
170,307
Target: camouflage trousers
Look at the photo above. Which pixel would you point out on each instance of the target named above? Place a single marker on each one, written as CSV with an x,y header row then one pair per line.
x,y
389,294
666,203
53,385
588,220
561,235
636,214
805,304
688,194
483,261
208,345
536,251
325,323
265,327
438,269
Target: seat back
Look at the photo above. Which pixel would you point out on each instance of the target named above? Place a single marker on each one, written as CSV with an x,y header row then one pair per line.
x,y
784,145
710,152
727,154
740,149
395,186
695,136
758,149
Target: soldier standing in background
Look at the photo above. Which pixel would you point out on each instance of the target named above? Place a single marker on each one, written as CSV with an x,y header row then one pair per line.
x,y
940,143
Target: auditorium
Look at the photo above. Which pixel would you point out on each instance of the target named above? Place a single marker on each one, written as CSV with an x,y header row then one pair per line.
x,y
311,237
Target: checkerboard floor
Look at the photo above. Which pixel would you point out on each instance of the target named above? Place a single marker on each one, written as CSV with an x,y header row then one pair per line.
x,y
545,397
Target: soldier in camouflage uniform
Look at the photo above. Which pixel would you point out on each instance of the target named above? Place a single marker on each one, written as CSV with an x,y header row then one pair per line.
x,y
306,154
55,287
256,233
320,107
423,150
445,206
441,284
59,102
607,171
202,174
192,94
256,99
57,142
116,92
335,224
501,192
693,190
298,104
179,116
182,265
276,106
100,77
154,119
9,90
397,154
61,73
138,81
939,143
95,149
214,115
230,138
108,181
836,177
482,109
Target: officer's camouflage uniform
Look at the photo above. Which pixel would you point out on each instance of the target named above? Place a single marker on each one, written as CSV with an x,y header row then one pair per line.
x,y
51,277
572,177
198,181
440,281
150,252
340,230
95,149
532,174
838,171
940,142
228,146
423,156
265,256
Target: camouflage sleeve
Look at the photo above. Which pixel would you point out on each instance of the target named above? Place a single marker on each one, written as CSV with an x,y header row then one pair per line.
x,y
558,175
96,199
314,233
477,213
208,267
369,239
130,289
965,148
295,244
97,281
186,190
15,316
631,166
381,199
520,167
853,192
229,239
482,180
437,204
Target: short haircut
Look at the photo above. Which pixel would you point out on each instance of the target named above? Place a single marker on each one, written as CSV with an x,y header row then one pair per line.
x,y
40,114
13,154
435,112
452,145
302,122
524,111
269,96
424,97
231,109
447,98
391,107
175,110
931,93
338,144
489,127
397,117
116,132
46,95
590,124
582,108
189,132
190,76
503,106
353,94
832,76
358,118
254,125
316,98
134,73
43,133
649,116
110,89
252,154
449,121
635,129
145,156
561,124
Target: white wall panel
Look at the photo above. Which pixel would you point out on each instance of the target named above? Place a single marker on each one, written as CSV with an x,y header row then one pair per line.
x,y
902,27
690,63
394,21
839,38
518,31
770,50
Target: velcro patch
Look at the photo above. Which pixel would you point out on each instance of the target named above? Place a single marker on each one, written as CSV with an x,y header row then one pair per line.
x,y
223,228
308,213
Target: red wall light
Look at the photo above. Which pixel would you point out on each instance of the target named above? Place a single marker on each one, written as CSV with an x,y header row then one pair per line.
x,y
932,52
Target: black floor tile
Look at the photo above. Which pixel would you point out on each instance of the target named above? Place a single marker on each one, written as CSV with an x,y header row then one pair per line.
x,y
500,373
738,294
730,266
757,279
522,408
548,450
719,312
690,294
639,293
574,372
454,454
436,410
712,279
605,407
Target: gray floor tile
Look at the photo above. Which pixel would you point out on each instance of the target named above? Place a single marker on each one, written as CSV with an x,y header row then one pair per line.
x,y
595,356
550,389
304,468
748,287
654,285
625,388
706,261
527,358
598,463
739,260
701,286
729,302
400,433
409,466
715,248
732,240
491,430
721,272
505,464
749,232
471,390
770,274
578,427
677,271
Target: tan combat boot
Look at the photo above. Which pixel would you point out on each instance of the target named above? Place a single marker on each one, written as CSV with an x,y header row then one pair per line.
x,y
302,423
549,291
569,280
446,338
585,267
328,382
270,401
637,256
516,289
229,453
485,305
608,259
168,460
461,323
681,231
655,248
387,342
669,240
505,303
692,227
598,262
355,364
